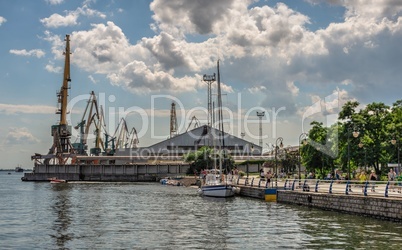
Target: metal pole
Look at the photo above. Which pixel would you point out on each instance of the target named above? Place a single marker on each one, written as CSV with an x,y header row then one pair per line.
x,y
365,160
276,166
399,168
248,160
300,143
260,116
276,160
348,153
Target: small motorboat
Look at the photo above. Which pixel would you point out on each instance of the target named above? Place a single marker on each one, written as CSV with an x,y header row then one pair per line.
x,y
55,180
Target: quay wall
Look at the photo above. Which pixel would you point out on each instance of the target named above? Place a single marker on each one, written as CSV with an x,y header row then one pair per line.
x,y
377,207
253,192
100,172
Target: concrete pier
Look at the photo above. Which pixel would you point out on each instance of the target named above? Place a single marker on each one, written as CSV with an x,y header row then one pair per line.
x,y
111,172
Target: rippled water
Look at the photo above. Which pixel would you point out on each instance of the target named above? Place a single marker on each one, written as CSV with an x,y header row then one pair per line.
x,y
152,216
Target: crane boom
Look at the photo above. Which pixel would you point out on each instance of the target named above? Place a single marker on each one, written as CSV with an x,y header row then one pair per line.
x,y
65,87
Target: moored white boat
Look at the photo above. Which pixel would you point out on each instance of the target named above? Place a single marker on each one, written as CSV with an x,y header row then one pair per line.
x,y
214,187
221,190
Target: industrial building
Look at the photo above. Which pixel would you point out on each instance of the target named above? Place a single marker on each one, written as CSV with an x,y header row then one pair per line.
x,y
190,141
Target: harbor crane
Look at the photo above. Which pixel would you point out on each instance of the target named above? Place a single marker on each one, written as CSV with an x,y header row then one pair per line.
x,y
196,123
84,125
61,149
122,138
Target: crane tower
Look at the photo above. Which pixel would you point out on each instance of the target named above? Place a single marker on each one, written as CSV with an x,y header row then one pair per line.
x,y
173,121
61,133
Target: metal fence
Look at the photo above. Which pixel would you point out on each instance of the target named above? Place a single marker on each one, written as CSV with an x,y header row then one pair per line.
x,y
352,187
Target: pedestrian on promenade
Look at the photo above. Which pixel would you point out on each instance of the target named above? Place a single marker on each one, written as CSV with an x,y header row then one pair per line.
x,y
391,178
262,173
372,178
363,179
268,177
236,173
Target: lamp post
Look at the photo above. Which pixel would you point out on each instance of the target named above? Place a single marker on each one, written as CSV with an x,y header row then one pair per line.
x,y
260,116
396,142
250,150
280,139
355,135
302,140
361,145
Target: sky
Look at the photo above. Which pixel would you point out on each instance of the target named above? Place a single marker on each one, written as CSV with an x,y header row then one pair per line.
x,y
297,61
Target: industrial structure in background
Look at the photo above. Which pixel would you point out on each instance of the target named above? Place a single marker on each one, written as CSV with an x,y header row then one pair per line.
x,y
117,156
61,149
173,121
260,116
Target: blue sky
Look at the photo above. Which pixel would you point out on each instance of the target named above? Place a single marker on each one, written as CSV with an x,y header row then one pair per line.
x,y
281,57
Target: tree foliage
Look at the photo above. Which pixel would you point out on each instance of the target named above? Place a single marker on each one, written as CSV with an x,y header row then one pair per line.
x,y
361,137
207,158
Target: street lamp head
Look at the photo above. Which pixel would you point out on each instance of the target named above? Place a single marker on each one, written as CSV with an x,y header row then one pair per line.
x,y
393,141
361,145
281,145
305,142
355,134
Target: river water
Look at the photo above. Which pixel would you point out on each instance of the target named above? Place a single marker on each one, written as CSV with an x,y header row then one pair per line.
x,y
153,216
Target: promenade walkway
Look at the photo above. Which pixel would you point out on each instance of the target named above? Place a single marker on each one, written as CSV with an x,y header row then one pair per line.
x,y
369,188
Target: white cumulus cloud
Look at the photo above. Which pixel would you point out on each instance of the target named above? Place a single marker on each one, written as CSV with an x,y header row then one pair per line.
x,y
2,20
23,52
18,136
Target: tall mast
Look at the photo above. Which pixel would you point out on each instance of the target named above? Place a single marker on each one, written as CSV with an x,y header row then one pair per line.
x,y
220,121
220,115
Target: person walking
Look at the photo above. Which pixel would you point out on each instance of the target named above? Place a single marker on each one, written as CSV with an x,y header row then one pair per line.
x,y
391,178
268,177
372,178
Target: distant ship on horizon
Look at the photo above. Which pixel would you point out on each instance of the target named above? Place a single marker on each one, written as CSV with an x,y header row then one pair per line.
x,y
19,169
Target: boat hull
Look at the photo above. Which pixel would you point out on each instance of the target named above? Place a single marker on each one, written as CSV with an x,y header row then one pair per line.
x,y
221,191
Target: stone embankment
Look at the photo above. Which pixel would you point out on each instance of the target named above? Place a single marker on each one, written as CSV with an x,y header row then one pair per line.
x,y
376,207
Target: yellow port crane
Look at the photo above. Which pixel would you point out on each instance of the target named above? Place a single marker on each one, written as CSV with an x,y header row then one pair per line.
x,y
61,149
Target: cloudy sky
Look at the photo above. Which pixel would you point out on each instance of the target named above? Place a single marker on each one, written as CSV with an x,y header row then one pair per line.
x,y
297,61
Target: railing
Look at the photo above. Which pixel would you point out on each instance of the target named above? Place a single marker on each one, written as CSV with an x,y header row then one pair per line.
x,y
251,181
353,187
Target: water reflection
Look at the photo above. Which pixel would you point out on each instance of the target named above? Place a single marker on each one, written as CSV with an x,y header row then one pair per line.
x,y
335,230
150,216
61,207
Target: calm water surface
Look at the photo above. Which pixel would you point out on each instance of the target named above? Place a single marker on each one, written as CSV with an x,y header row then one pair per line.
x,y
152,216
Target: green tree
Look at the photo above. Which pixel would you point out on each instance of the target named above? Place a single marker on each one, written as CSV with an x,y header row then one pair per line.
x,y
371,123
207,158
200,159
317,155
290,160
